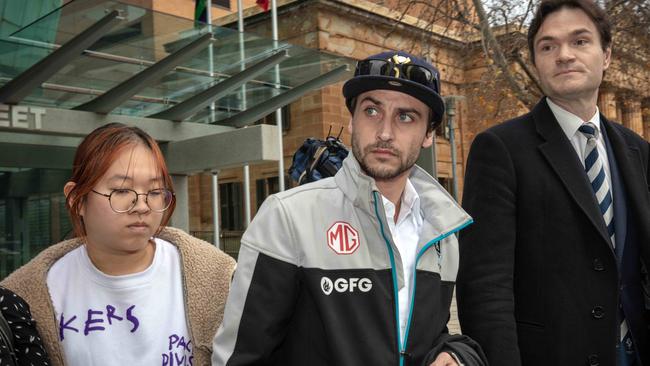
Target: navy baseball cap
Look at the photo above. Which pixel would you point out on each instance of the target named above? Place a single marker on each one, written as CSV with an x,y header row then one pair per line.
x,y
399,71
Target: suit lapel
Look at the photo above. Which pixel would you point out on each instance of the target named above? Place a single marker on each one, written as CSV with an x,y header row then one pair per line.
x,y
629,161
619,194
562,157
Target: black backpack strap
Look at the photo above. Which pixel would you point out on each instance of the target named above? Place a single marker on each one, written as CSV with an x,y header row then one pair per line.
x,y
7,338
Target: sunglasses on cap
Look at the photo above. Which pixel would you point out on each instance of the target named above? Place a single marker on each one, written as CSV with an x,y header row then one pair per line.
x,y
416,73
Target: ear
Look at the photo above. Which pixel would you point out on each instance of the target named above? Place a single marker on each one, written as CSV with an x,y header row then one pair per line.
x,y
608,58
428,140
350,126
67,189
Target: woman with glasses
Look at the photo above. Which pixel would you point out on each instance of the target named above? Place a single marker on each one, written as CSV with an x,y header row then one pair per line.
x,y
127,290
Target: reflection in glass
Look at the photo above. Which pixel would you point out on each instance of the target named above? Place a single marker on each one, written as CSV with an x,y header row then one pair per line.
x,y
142,38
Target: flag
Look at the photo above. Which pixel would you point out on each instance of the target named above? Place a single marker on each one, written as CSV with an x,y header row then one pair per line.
x,y
264,4
201,11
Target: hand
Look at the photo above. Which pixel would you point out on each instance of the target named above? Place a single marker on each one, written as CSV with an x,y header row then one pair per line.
x,y
444,359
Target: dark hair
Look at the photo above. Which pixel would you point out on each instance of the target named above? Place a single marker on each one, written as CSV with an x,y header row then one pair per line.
x,y
593,11
95,155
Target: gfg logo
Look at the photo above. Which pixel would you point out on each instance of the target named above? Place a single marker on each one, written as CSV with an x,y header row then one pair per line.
x,y
345,285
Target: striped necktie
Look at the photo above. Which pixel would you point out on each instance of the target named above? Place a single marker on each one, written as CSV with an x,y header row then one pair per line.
x,y
596,172
595,169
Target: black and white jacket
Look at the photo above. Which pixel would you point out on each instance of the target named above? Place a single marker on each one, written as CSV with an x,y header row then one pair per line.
x,y
318,277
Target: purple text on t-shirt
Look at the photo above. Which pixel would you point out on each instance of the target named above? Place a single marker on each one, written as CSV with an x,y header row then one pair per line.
x,y
95,321
177,356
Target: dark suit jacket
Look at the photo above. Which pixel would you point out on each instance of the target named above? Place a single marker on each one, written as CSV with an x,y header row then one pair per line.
x,y
538,280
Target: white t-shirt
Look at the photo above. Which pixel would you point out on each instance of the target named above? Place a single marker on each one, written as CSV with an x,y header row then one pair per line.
x,y
135,319
406,235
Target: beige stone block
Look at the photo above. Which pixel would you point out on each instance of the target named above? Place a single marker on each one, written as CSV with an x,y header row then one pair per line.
x,y
607,103
632,115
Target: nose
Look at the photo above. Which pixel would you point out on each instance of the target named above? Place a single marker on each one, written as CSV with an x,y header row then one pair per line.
x,y
565,54
141,205
385,132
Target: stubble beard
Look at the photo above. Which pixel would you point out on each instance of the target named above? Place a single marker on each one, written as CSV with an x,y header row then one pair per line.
x,y
383,173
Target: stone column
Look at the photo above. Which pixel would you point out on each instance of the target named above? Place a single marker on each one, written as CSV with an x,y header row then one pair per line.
x,y
632,117
607,104
181,216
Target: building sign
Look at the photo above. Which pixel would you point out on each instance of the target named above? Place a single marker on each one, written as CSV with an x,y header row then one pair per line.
x,y
21,117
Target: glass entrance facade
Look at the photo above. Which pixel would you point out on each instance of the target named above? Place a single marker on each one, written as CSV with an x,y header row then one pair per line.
x,y
32,214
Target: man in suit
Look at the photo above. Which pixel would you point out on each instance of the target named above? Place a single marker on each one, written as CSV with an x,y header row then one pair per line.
x,y
554,268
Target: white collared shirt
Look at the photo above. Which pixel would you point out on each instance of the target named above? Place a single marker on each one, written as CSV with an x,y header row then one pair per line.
x,y
570,123
406,235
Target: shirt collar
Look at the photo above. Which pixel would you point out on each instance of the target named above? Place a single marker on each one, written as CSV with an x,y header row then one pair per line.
x,y
411,199
568,121
410,203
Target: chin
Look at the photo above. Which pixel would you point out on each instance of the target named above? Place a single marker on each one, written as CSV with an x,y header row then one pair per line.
x,y
385,174
572,87
380,170
136,242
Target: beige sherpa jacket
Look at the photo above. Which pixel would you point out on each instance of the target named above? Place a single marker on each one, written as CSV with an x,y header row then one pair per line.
x,y
207,273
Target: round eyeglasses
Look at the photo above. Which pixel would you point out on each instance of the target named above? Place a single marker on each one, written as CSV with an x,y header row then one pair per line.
x,y
124,199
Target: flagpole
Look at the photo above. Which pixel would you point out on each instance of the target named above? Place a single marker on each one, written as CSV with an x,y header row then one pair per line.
x,y
242,57
215,210
215,174
278,112
208,12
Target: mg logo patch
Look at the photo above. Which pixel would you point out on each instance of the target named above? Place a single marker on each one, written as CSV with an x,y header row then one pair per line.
x,y
342,238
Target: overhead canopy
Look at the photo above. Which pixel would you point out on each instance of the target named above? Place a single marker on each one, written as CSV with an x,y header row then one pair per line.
x,y
124,63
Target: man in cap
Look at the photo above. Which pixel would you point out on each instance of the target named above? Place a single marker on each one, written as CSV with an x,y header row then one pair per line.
x,y
327,271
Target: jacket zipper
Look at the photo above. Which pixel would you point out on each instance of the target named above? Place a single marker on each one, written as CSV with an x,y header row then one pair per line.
x,y
436,241
402,346
394,276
